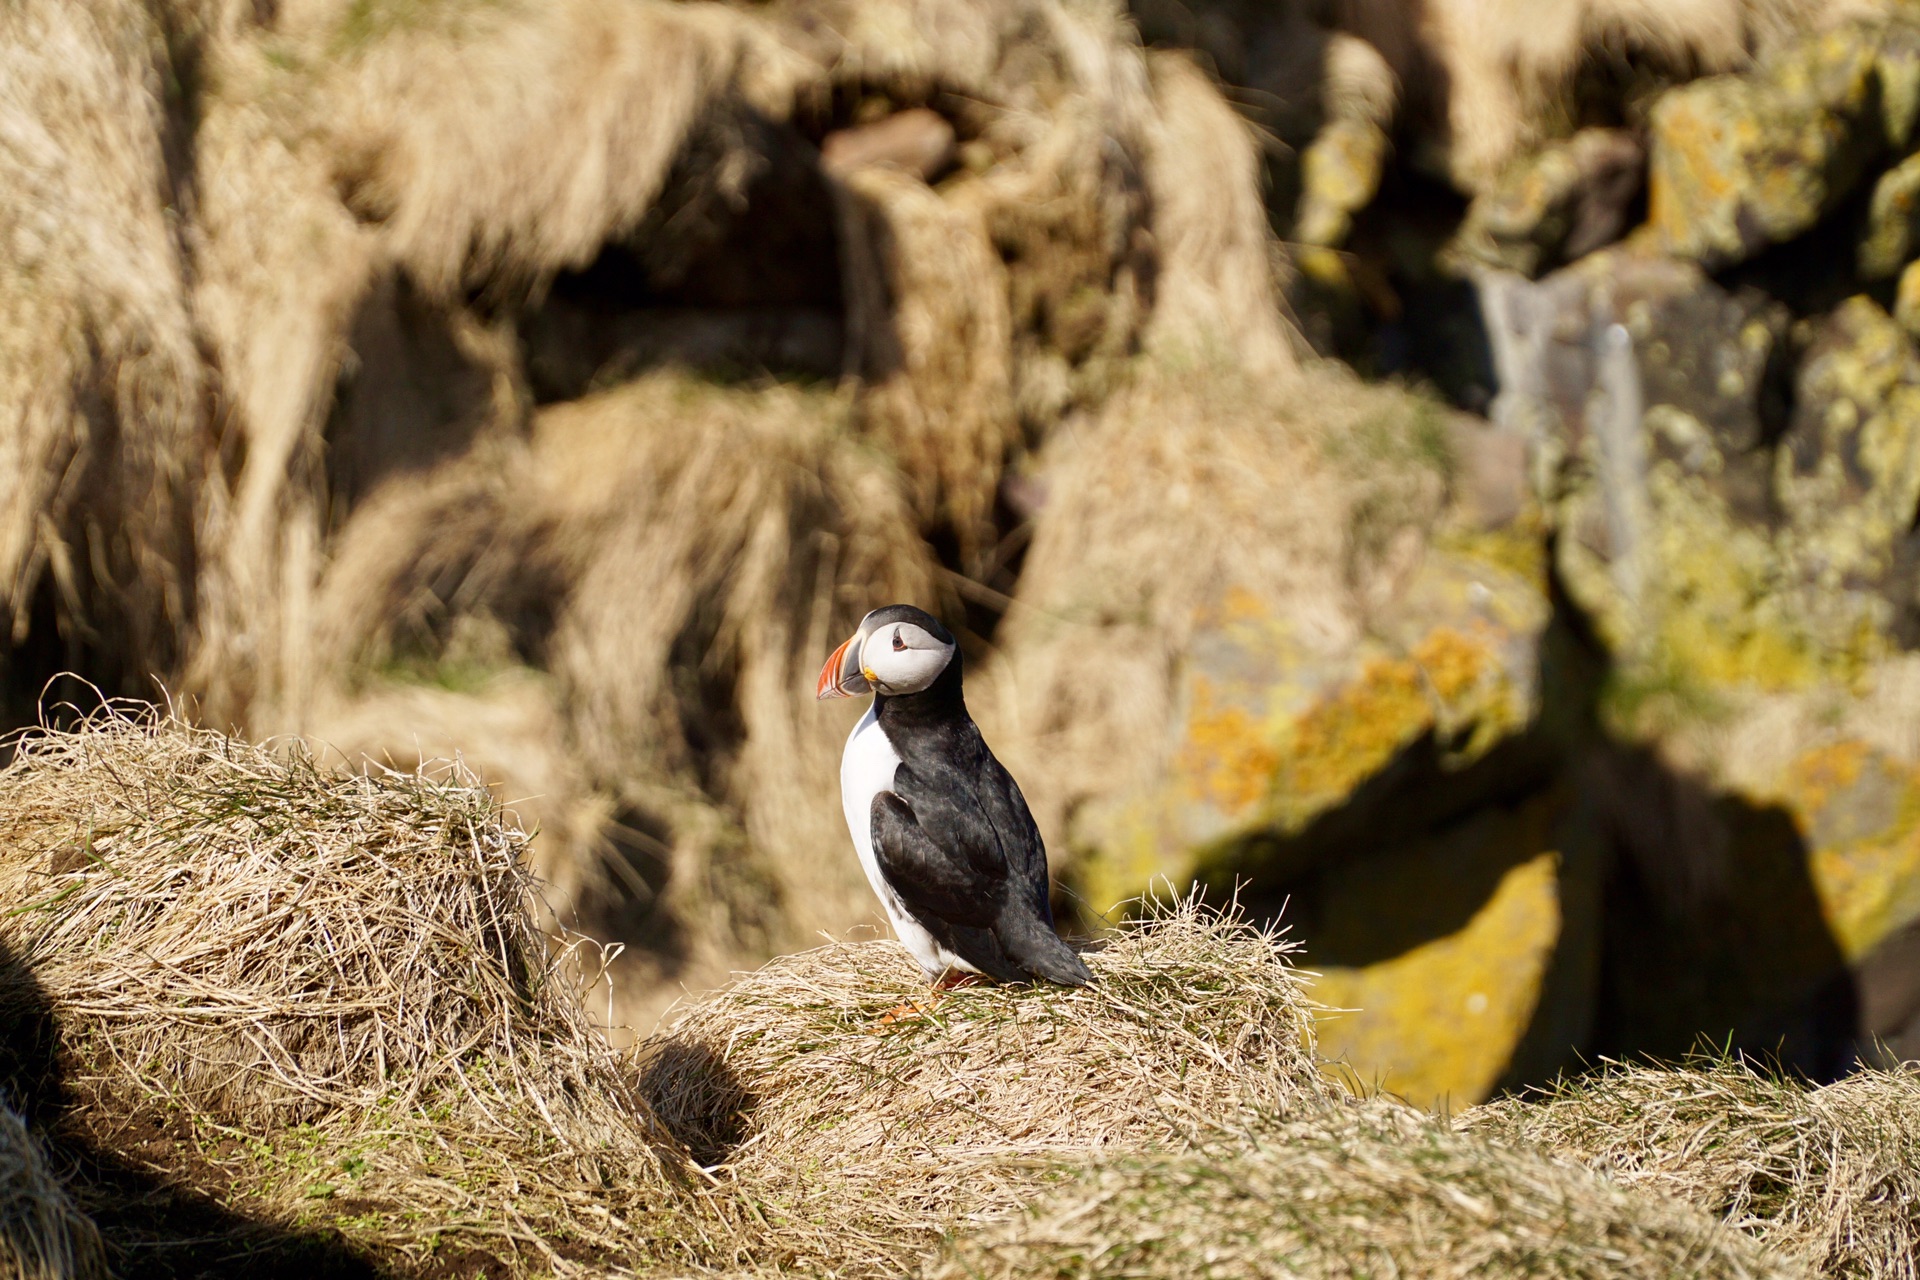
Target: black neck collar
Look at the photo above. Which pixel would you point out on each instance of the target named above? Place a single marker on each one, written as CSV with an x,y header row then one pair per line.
x,y
941,702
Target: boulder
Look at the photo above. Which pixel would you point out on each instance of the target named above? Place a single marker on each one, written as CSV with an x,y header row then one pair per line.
x,y
1299,688
1568,199
1893,222
1460,961
1738,163
1277,738
1735,508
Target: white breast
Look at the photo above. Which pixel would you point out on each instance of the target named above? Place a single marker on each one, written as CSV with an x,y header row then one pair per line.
x,y
866,769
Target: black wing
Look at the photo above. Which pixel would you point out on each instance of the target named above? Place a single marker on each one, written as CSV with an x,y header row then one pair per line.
x,y
952,884
1023,853
959,841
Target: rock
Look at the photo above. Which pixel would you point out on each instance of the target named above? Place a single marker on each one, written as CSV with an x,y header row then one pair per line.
x,y
1568,199
1340,169
1858,809
1735,517
1489,472
1906,305
916,141
1664,486
1893,222
1340,173
1276,737
1847,473
1889,981
1738,163
1460,961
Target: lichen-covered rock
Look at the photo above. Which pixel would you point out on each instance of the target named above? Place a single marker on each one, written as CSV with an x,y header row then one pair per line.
x,y
1276,734
1340,169
1735,514
1738,163
1713,545
1858,809
1443,950
1906,300
1893,222
1847,474
1459,961
1568,199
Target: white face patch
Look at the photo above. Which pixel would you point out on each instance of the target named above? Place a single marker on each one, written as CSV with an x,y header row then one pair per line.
x,y
903,658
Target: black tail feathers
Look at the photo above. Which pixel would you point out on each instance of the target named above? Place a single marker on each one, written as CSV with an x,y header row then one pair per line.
x,y
1039,951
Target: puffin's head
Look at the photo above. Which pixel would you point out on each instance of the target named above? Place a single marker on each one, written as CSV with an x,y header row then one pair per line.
x,y
897,650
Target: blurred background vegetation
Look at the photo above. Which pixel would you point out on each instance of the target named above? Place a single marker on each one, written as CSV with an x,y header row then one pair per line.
x,y
1445,471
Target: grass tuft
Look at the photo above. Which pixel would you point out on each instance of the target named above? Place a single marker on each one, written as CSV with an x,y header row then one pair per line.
x,y
852,1146
1360,1190
320,998
1830,1175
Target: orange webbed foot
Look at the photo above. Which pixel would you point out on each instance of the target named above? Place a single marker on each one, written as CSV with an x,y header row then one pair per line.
x,y
902,1012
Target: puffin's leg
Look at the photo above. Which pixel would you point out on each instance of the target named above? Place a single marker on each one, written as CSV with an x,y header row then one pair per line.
x,y
900,1013
952,979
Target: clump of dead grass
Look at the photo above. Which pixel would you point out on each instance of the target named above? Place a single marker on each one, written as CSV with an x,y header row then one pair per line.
x,y
42,1236
848,1144
326,991
100,384
1829,1175
1353,1191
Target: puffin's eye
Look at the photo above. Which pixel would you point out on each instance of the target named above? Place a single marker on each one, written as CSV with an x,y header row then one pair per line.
x,y
898,643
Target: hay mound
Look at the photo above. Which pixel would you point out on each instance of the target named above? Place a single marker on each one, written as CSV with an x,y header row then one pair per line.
x,y
326,992
854,1149
1355,1191
42,1236
1830,1175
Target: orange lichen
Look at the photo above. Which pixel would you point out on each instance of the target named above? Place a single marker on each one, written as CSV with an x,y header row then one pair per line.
x,y
1453,662
1351,735
1821,774
1226,754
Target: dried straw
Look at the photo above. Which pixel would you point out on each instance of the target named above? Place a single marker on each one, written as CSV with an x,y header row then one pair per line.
x,y
100,383
853,1146
328,992
42,1236
1359,1191
1829,1175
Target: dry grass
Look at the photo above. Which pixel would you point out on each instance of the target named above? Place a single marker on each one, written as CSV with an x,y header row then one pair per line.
x,y
854,1147
1358,1191
328,993
1830,1176
42,1236
99,378
708,570
273,441
1216,292
462,145
322,1001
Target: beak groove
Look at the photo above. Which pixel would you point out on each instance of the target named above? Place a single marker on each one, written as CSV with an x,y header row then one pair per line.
x,y
840,677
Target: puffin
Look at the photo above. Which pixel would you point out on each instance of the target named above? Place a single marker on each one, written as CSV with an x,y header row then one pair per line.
x,y
940,826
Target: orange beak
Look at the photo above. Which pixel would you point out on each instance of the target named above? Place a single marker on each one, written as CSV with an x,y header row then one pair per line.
x,y
841,677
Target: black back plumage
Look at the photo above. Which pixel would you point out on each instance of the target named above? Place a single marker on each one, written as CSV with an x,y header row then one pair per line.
x,y
956,841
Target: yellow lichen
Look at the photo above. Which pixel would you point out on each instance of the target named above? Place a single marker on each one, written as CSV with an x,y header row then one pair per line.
x,y
1859,811
1225,753
1442,1020
1349,736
